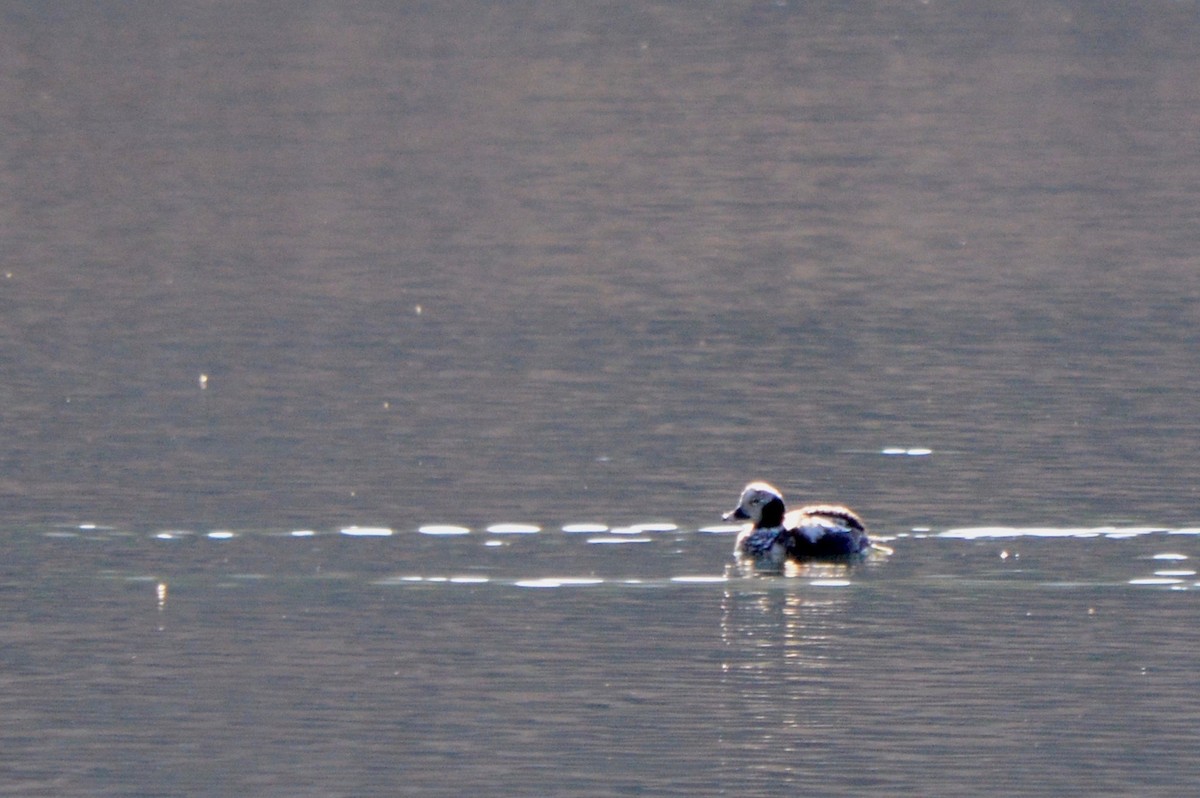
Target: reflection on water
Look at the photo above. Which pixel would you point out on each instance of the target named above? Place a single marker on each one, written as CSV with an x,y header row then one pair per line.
x,y
783,669
775,637
785,642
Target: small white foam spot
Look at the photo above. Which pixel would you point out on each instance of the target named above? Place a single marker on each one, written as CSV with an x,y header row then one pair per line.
x,y
721,529
699,579
443,529
565,581
513,529
302,533
654,527
1156,580
606,540
220,534
1171,556
982,532
587,529
366,531
172,534
1131,532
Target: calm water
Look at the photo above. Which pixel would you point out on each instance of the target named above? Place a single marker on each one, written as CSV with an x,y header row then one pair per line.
x,y
612,663
321,267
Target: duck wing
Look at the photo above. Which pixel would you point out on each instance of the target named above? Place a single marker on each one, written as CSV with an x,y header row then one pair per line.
x,y
824,532
835,514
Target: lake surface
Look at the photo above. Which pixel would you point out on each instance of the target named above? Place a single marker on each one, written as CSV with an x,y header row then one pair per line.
x,y
596,663
372,379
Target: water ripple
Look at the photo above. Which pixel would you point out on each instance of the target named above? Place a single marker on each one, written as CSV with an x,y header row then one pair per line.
x,y
988,532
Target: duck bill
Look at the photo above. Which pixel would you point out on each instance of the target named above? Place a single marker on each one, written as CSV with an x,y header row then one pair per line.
x,y
736,515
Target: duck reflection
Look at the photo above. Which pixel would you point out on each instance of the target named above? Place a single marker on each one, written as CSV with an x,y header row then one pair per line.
x,y
784,667
770,623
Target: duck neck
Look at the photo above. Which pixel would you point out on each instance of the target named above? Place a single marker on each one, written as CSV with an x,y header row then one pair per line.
x,y
772,514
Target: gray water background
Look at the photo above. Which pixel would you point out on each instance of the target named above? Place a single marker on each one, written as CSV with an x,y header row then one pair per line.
x,y
277,267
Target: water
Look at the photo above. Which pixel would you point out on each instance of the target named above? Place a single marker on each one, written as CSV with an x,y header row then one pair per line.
x,y
334,664
351,270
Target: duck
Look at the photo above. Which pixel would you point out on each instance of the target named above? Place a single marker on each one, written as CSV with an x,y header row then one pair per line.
x,y
814,532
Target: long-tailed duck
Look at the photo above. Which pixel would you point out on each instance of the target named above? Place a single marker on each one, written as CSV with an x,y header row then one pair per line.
x,y
814,532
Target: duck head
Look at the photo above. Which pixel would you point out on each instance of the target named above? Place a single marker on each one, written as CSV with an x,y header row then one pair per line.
x,y
760,504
